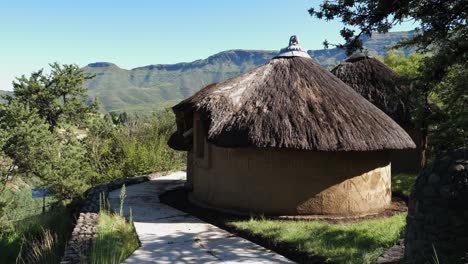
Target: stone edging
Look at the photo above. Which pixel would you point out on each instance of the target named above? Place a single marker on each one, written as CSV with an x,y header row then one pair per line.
x,y
79,245
393,255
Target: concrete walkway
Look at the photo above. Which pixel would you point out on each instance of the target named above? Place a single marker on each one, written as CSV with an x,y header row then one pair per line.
x,y
168,235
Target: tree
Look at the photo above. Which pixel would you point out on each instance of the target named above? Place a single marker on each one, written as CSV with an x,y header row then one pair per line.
x,y
407,67
27,142
57,158
443,36
6,165
41,126
451,94
59,96
103,149
441,21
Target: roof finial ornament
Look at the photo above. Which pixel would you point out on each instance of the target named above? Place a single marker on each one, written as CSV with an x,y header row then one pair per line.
x,y
293,40
293,50
360,55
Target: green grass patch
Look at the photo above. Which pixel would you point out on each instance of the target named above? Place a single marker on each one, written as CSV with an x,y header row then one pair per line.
x,y
349,243
116,239
40,239
403,183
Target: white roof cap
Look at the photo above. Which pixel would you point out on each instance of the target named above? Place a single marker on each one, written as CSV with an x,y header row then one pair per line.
x,y
293,50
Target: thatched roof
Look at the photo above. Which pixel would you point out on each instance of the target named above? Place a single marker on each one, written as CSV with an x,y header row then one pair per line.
x,y
289,103
377,83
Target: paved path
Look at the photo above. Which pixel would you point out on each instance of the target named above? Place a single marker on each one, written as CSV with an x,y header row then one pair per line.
x,y
168,235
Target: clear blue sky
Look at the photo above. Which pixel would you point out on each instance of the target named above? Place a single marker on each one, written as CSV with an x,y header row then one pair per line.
x,y
141,32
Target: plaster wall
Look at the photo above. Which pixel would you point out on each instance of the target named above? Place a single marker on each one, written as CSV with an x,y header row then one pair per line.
x,y
274,181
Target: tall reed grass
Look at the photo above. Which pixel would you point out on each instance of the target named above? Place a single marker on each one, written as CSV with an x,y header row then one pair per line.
x,y
116,237
40,239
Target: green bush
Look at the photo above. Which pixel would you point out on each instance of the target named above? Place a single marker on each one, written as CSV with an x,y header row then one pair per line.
x,y
402,184
144,145
18,204
135,145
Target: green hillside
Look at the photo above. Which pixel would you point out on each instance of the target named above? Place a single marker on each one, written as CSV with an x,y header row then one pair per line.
x,y
153,87
4,93
146,88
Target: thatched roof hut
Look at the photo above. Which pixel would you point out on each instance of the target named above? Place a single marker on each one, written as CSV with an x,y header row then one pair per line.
x,y
379,84
289,113
290,103
384,88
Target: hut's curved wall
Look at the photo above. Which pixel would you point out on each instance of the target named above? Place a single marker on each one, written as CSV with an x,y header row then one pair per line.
x,y
408,160
274,181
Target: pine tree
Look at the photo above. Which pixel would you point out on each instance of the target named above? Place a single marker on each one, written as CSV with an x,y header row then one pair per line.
x,y
41,126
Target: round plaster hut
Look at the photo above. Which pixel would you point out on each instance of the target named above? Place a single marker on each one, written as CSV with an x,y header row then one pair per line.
x,y
382,86
287,138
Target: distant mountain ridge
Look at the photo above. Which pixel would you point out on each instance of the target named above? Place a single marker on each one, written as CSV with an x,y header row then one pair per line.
x,y
152,87
160,85
4,93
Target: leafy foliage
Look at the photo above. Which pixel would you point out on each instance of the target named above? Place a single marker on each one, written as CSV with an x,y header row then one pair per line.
x,y
402,184
135,145
39,124
405,66
49,131
439,19
451,93
58,97
449,117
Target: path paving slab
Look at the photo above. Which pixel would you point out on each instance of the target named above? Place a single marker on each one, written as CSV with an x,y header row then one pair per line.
x,y
168,235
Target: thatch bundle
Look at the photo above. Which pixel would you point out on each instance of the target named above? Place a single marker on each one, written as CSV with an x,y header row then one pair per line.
x,y
289,103
377,83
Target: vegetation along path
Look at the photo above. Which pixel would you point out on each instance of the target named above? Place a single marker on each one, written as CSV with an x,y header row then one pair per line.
x,y
168,235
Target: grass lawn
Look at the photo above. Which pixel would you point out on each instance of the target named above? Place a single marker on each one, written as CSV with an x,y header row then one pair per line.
x,y
41,238
116,239
360,242
402,183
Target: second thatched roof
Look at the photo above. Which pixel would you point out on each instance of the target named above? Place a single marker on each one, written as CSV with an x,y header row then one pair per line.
x,y
379,84
290,102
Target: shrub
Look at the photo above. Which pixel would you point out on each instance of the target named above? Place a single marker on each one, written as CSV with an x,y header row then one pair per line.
x,y
134,146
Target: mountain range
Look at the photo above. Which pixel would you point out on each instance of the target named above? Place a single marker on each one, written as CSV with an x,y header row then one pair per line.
x,y
4,93
153,87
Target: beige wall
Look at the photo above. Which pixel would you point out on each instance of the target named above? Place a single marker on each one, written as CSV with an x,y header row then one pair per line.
x,y
275,181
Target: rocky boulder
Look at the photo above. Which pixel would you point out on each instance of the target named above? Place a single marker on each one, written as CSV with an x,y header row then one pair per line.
x,y
437,222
